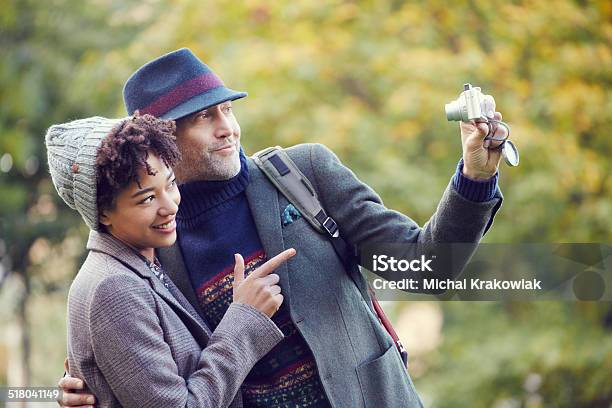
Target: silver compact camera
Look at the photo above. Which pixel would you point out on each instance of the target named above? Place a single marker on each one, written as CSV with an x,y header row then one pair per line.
x,y
472,104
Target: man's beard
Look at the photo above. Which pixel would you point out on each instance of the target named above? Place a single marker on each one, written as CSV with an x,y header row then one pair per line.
x,y
216,167
208,167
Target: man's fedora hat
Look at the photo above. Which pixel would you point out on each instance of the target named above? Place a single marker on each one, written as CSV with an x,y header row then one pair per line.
x,y
175,85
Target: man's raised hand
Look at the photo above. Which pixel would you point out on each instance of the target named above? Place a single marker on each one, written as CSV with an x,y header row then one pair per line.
x,y
481,157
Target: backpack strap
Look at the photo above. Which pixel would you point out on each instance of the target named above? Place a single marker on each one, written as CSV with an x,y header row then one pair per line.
x,y
276,164
295,186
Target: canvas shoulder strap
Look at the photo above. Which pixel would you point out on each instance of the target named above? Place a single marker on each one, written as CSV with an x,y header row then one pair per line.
x,y
295,186
289,180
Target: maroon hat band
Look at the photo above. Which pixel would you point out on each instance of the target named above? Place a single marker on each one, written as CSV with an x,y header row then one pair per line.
x,y
182,93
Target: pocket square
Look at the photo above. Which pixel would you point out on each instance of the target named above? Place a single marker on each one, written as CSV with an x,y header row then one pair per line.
x,y
290,214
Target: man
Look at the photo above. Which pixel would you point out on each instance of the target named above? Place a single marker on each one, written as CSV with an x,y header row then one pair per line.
x,y
335,352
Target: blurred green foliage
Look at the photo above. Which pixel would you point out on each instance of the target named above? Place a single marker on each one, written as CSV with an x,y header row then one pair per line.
x,y
370,80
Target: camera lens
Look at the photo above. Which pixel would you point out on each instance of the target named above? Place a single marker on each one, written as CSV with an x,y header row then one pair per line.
x,y
453,111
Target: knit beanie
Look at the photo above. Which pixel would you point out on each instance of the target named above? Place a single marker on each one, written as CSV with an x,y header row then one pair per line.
x,y
71,152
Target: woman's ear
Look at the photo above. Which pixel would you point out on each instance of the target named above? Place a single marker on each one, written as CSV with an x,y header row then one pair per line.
x,y
104,219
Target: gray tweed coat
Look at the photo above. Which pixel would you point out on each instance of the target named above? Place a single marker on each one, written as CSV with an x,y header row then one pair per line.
x,y
137,343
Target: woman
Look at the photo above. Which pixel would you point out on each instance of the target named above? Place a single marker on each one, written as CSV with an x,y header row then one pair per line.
x,y
133,337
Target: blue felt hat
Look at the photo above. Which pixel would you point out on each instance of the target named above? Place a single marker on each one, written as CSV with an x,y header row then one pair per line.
x,y
175,85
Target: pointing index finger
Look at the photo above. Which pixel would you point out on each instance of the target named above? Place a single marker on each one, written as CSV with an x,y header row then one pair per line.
x,y
273,263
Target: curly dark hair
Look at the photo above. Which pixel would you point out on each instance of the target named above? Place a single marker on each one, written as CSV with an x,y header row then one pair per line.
x,y
124,151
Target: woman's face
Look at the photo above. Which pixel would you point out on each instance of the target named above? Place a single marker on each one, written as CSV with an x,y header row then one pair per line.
x,y
144,216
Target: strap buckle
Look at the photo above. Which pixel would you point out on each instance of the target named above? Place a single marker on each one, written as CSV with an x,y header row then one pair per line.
x,y
331,227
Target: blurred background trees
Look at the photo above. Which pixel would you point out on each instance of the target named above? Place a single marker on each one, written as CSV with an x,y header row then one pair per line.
x,y
370,80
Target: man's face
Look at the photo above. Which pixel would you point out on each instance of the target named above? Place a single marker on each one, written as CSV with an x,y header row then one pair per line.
x,y
209,141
